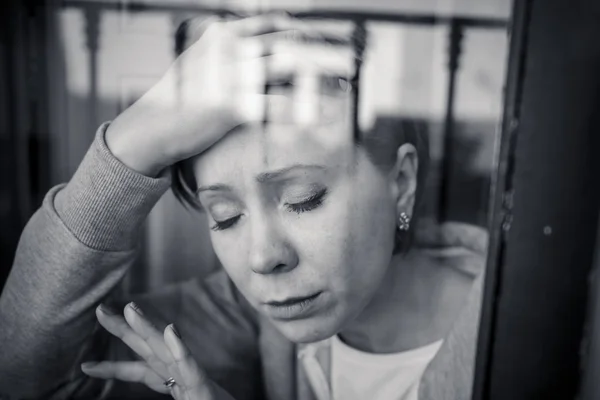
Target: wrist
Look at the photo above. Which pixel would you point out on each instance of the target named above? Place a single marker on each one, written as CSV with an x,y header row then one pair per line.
x,y
105,202
134,154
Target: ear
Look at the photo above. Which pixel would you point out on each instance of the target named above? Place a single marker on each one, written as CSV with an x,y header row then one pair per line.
x,y
403,179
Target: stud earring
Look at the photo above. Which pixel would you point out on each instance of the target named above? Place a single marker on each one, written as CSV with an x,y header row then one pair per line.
x,y
403,221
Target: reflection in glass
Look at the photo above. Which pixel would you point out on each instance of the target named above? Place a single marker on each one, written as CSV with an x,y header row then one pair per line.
x,y
334,240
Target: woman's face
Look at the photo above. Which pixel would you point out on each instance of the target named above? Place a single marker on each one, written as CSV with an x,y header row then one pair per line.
x,y
303,223
300,218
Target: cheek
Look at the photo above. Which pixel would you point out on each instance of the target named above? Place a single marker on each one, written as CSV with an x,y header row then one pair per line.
x,y
230,252
350,244
364,238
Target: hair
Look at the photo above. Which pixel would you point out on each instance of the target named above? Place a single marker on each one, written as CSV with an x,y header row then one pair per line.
x,y
380,143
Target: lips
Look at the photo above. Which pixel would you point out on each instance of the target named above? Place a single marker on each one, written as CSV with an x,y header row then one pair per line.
x,y
290,300
292,308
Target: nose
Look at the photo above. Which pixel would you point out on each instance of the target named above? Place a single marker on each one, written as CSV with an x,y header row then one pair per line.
x,y
270,251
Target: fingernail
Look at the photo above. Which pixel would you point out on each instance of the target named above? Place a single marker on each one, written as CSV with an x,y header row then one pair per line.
x,y
175,331
176,346
136,308
106,309
89,364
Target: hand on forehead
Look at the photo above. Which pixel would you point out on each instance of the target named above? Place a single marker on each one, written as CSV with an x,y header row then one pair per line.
x,y
304,79
282,70
301,89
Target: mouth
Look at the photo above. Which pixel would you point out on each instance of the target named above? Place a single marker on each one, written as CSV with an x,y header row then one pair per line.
x,y
292,308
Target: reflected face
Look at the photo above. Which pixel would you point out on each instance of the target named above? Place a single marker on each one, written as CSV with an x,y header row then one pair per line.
x,y
303,226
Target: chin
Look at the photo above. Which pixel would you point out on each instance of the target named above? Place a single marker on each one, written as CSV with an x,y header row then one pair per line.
x,y
308,330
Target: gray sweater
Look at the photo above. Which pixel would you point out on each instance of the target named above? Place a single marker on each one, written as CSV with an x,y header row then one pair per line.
x,y
81,242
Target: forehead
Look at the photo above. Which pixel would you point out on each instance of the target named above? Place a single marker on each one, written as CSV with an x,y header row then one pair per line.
x,y
250,151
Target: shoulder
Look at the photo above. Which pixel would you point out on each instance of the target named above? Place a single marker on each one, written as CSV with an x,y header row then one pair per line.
x,y
450,375
430,233
454,244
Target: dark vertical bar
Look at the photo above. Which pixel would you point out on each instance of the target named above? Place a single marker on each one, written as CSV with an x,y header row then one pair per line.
x,y
359,38
267,86
501,196
37,72
181,34
92,31
454,51
9,187
547,258
590,388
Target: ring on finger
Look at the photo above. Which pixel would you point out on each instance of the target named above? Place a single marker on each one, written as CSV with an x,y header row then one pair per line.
x,y
169,382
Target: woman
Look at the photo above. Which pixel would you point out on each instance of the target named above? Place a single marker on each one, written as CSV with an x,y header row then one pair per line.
x,y
324,294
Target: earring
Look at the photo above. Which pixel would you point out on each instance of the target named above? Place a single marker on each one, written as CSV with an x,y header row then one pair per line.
x,y
403,221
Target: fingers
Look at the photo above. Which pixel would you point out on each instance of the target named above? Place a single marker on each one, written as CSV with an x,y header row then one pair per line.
x,y
260,24
129,371
147,331
144,338
123,329
194,381
243,26
116,325
255,32
191,373
178,393
271,28
165,356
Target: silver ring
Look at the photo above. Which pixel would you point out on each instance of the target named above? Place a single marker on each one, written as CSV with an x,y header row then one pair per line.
x,y
169,382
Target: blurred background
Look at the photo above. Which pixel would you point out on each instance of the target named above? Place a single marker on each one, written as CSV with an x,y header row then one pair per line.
x,y
67,66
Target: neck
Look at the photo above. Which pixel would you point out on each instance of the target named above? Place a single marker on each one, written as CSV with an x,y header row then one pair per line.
x,y
416,304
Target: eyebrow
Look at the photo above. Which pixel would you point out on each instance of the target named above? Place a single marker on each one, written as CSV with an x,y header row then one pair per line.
x,y
216,187
272,175
264,177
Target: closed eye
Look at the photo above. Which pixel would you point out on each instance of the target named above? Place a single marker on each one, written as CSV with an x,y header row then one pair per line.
x,y
227,223
309,204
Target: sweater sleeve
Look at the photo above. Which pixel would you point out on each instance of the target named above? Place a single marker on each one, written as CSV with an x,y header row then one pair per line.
x,y
72,253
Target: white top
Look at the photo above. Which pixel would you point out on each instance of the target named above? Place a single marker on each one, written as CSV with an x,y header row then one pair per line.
x,y
359,375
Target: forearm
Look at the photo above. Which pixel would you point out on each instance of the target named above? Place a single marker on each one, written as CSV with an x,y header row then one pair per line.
x,y
47,306
72,253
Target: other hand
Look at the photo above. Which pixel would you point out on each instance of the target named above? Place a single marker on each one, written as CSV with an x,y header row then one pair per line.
x,y
163,356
